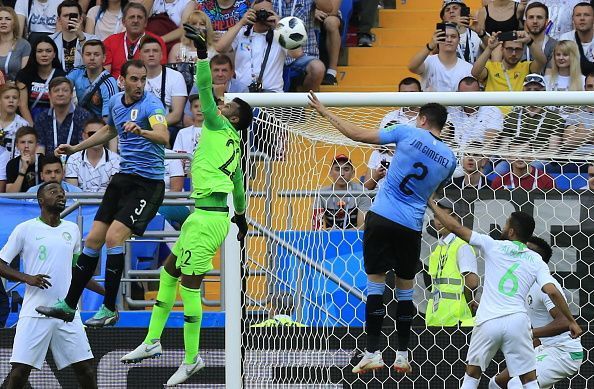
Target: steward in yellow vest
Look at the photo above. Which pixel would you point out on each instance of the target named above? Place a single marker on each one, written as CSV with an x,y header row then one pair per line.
x,y
453,271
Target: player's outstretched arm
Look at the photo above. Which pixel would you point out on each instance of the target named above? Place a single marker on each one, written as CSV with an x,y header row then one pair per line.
x,y
449,222
39,280
239,203
559,325
348,129
103,135
557,298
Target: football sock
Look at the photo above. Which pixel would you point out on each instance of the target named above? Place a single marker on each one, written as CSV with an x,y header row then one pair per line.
x,y
374,314
113,274
405,311
162,307
493,384
192,322
82,272
531,385
470,382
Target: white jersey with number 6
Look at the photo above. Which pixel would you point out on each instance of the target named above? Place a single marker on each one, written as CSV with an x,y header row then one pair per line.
x,y
510,270
43,250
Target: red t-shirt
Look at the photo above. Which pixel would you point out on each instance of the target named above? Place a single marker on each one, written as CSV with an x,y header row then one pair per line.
x,y
510,181
116,52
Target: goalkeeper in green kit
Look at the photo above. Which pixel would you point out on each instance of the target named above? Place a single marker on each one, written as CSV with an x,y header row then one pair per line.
x,y
216,171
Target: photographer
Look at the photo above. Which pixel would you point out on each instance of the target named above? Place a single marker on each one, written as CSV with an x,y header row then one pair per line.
x,y
70,39
251,38
457,12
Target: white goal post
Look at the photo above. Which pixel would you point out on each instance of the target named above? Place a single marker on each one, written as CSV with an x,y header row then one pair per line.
x,y
299,246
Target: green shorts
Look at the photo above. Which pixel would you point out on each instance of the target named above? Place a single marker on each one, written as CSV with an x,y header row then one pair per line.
x,y
202,234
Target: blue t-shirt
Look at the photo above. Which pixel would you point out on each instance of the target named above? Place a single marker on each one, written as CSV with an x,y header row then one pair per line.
x,y
421,163
138,155
98,103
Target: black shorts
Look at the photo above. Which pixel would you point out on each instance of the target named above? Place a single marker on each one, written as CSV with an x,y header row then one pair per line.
x,y
132,200
390,246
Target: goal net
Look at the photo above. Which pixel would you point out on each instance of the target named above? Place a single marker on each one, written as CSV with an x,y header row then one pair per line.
x,y
526,151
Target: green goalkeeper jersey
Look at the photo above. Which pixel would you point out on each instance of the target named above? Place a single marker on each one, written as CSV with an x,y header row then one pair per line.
x,y
216,166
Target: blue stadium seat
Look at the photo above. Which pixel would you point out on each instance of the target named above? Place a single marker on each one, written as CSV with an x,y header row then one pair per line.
x,y
145,255
567,181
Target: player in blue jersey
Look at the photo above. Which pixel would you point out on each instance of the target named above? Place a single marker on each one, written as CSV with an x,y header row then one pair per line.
x,y
132,197
392,236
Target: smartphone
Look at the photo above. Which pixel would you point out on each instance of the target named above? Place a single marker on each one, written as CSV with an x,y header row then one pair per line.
x,y
441,27
507,36
465,11
72,19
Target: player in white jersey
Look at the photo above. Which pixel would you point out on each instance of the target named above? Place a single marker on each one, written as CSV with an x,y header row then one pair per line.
x,y
48,247
501,319
558,356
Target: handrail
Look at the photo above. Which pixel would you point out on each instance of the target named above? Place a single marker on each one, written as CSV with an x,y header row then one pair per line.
x,y
308,261
313,193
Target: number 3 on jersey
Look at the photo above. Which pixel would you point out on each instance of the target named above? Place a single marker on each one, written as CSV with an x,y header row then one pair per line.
x,y
234,152
415,175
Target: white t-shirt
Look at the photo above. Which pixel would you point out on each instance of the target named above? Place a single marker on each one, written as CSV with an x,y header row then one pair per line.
x,y
4,158
510,270
539,304
438,78
249,55
404,115
43,250
562,82
175,86
472,127
174,10
560,15
107,24
9,135
186,141
375,161
588,47
43,16
92,178
173,168
471,39
465,256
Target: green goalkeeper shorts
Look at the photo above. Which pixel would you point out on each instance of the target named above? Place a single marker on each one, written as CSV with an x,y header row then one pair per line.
x,y
202,234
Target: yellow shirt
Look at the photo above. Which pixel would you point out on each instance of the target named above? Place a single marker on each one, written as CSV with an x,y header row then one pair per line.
x,y
498,82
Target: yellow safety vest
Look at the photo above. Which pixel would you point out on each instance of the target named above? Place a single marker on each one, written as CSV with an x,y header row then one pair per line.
x,y
447,306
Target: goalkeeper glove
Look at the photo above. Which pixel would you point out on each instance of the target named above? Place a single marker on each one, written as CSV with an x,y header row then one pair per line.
x,y
241,224
198,37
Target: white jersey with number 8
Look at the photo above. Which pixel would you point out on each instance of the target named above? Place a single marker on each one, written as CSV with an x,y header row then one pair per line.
x,y
510,270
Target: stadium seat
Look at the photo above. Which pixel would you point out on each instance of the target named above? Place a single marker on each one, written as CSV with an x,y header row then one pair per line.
x,y
574,181
145,255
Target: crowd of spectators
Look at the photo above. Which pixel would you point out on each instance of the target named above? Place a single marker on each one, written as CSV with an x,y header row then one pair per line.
x,y
60,61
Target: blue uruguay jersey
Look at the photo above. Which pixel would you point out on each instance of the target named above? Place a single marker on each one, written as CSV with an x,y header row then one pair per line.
x,y
138,155
421,163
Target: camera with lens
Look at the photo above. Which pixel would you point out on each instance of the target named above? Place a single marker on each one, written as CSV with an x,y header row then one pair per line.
x,y
255,87
262,15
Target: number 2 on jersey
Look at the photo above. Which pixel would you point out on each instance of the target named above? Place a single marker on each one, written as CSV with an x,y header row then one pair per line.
x,y
228,162
416,176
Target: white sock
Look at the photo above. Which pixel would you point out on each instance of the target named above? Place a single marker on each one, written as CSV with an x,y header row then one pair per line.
x,y
332,72
470,382
515,383
531,385
404,354
493,384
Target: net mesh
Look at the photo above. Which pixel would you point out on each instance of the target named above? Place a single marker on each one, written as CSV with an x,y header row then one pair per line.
x,y
305,244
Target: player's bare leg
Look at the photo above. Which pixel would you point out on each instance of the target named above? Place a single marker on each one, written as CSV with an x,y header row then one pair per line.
x,y
85,374
190,293
374,318
82,272
151,346
19,374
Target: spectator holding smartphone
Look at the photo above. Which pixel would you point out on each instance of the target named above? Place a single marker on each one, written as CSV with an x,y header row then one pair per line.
x,y
509,73
70,39
455,11
443,71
